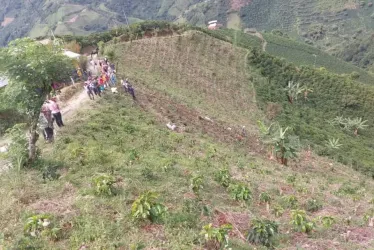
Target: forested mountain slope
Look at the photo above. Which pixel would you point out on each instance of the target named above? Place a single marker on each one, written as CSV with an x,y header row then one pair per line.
x,y
343,28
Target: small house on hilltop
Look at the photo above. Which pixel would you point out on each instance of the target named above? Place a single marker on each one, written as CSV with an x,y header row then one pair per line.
x,y
213,25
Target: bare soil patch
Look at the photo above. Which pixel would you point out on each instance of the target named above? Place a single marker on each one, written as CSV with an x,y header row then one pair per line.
x,y
7,21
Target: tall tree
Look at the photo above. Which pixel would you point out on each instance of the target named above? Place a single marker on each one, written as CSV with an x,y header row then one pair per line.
x,y
31,68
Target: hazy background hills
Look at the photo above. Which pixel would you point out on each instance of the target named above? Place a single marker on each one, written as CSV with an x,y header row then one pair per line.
x,y
343,28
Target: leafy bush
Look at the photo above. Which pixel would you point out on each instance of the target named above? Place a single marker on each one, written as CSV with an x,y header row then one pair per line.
x,y
313,205
300,222
263,232
103,185
216,238
223,177
147,206
41,225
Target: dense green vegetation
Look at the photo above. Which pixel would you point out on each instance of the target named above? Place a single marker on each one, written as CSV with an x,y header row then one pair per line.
x,y
303,54
333,96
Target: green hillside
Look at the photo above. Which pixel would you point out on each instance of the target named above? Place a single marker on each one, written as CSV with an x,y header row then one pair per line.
x,y
113,149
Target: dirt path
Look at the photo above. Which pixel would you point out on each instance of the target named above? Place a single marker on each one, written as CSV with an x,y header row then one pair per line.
x,y
259,35
75,102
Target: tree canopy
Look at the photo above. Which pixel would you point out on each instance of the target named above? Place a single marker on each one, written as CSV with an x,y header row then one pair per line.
x,y
31,68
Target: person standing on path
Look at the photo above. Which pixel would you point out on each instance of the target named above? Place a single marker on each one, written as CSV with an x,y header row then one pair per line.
x,y
55,109
89,90
131,91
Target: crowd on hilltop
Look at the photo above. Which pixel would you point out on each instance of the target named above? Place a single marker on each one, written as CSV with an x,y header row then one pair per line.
x,y
95,84
106,77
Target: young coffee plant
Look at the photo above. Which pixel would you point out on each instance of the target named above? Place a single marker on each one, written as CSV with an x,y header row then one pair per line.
x,y
41,225
291,201
313,205
216,238
265,197
300,222
103,185
278,211
240,192
223,177
291,179
263,232
327,221
147,206
285,146
197,183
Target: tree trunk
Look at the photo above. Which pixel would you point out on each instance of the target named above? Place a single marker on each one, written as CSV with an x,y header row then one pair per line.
x,y
33,138
356,132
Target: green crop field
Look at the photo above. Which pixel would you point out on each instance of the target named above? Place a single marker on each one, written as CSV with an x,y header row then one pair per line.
x,y
303,54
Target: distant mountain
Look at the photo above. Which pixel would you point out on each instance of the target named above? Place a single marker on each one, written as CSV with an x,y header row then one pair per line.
x,y
343,28
79,17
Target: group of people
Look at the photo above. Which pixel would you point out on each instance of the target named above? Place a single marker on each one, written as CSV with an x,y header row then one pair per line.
x,y
49,114
95,85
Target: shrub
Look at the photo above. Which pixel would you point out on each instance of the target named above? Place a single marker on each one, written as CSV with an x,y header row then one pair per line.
x,y
216,238
104,185
263,232
223,177
240,192
313,205
146,206
300,222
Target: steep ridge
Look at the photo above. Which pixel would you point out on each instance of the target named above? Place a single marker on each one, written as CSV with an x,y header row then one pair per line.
x,y
179,79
